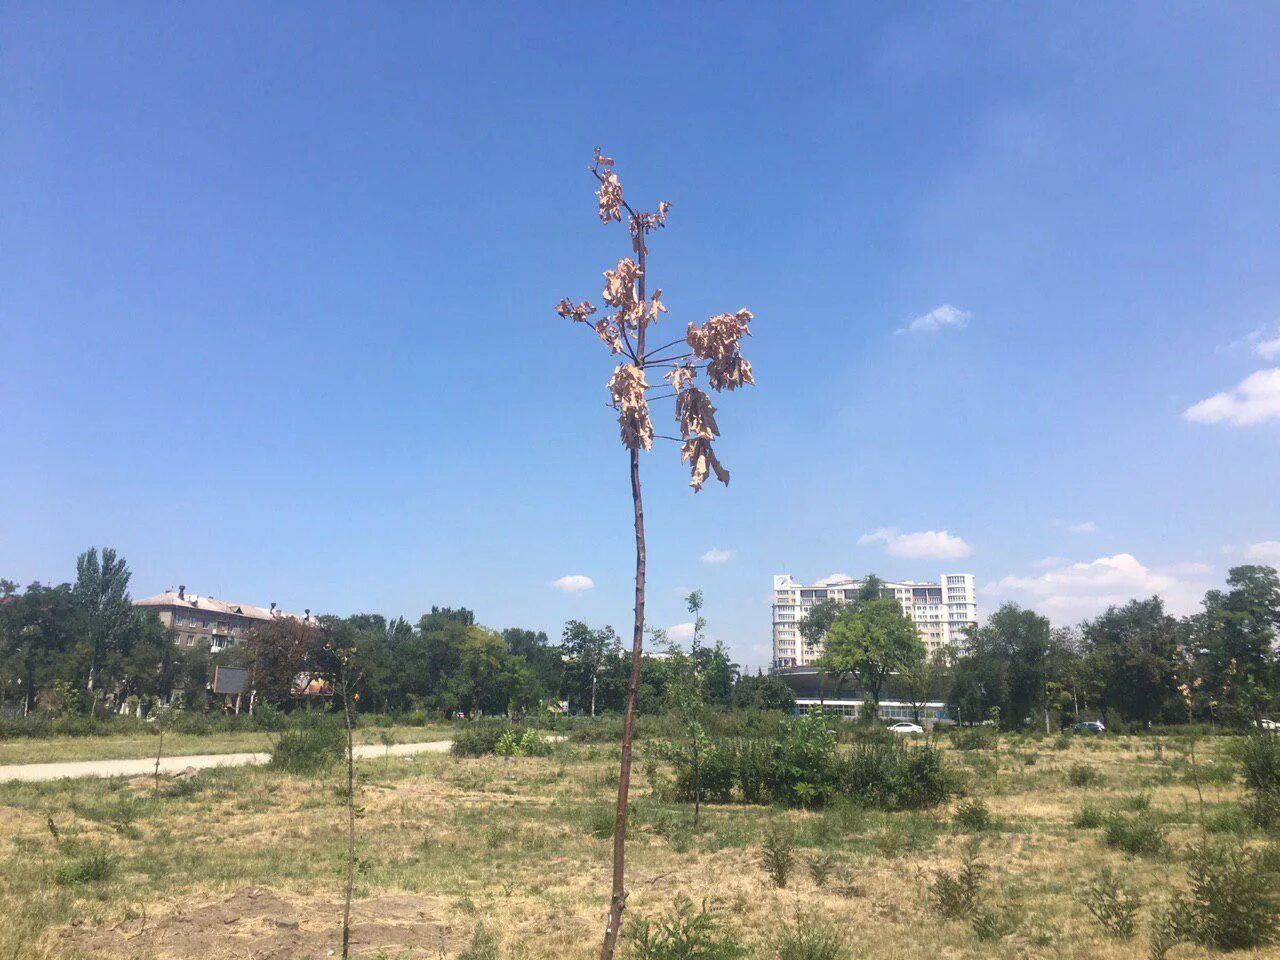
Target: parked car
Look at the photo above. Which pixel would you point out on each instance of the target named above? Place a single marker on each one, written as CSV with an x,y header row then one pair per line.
x,y
906,726
1090,726
1266,724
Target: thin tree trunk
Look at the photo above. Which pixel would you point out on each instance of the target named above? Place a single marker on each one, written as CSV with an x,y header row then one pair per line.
x,y
351,826
618,896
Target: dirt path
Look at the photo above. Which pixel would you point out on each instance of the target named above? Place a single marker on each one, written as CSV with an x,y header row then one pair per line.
x,y
134,768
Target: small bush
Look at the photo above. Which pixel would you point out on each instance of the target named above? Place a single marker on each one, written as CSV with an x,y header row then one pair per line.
x,y
527,744
975,738
687,933
958,895
1232,904
821,864
778,853
309,744
1088,817
1114,907
91,868
1137,803
1137,836
973,815
484,945
1083,775
1062,741
601,820
479,739
990,924
815,939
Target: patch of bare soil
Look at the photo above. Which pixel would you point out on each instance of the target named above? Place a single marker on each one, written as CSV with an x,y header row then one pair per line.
x,y
255,923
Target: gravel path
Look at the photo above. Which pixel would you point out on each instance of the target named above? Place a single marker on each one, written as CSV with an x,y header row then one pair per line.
x,y
134,768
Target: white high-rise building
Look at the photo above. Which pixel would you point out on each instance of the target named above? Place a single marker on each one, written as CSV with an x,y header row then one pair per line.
x,y
942,611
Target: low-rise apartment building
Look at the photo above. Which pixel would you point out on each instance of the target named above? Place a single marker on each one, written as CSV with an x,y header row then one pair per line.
x,y
219,623
942,611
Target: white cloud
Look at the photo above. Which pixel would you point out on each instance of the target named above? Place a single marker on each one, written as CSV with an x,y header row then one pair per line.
x,y
1088,526
680,632
1078,590
930,544
1264,341
1265,550
716,555
573,583
937,319
1255,400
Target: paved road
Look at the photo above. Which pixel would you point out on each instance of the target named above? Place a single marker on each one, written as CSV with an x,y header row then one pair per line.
x,y
134,768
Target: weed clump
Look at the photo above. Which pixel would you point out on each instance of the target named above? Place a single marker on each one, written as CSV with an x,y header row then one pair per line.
x,y
1112,905
815,939
1083,775
94,867
310,744
778,853
1088,817
973,815
1140,835
958,895
687,933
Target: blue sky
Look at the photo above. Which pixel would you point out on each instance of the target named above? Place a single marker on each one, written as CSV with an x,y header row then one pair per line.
x,y
276,293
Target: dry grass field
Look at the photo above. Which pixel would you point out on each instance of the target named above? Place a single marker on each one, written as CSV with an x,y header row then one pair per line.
x,y
246,863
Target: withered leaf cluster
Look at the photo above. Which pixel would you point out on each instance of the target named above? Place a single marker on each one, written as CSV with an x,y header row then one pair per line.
x,y
716,344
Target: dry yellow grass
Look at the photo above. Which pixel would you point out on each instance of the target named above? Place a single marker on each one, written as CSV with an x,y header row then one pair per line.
x,y
247,863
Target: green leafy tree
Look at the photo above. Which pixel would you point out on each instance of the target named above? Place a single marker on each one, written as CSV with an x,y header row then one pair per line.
x,y
1234,640
870,640
102,592
1132,651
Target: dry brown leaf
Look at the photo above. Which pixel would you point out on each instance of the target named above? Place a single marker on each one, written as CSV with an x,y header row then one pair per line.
x,y
627,387
702,460
697,415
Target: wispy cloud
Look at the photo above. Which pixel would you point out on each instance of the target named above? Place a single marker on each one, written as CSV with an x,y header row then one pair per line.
x,y
1256,399
716,555
680,632
1265,550
936,319
930,544
1087,526
1074,591
573,583
1264,341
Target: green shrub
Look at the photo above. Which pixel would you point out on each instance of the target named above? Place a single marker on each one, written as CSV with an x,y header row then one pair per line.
x,y
92,868
975,738
1232,904
484,945
309,744
687,933
511,743
958,895
778,853
1140,835
815,938
1088,817
1259,756
1083,775
479,739
897,777
1137,803
821,864
1113,906
973,815
1062,741
990,924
